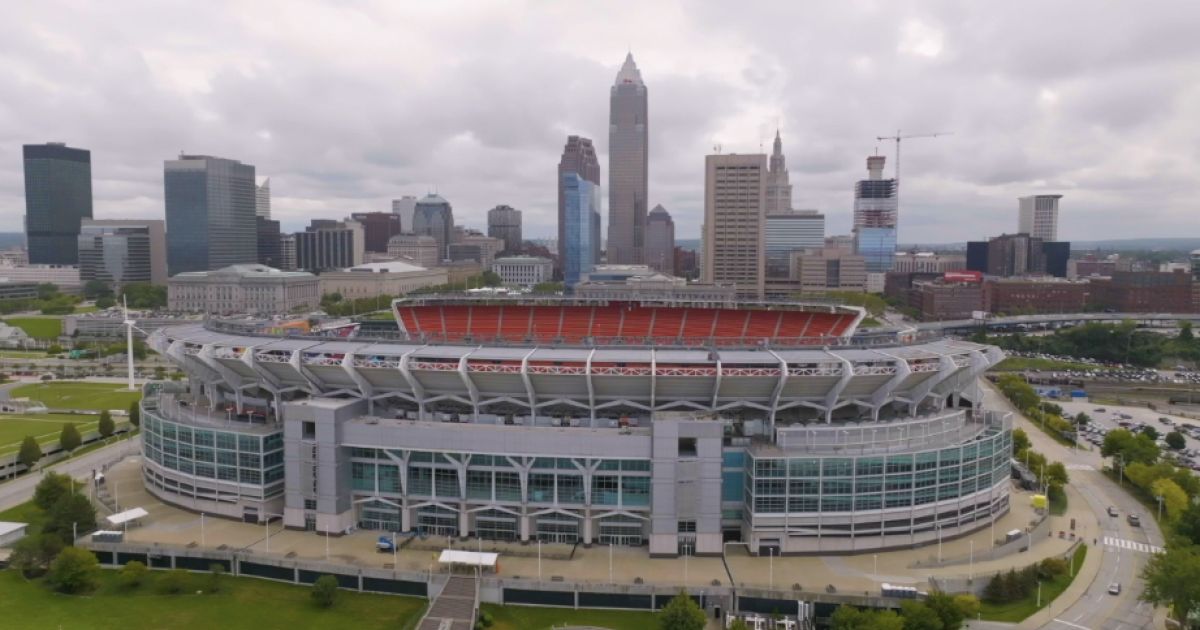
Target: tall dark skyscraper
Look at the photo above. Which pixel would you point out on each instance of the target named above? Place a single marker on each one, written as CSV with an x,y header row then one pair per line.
x,y
579,157
504,222
210,213
628,166
58,195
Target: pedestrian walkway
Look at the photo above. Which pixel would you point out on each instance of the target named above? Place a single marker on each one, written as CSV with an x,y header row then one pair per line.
x,y
454,607
1080,467
1111,544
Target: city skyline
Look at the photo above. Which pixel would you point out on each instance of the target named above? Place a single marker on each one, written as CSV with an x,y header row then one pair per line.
x,y
1068,127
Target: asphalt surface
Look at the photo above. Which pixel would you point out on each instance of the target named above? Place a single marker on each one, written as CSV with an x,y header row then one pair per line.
x,y
1125,549
20,490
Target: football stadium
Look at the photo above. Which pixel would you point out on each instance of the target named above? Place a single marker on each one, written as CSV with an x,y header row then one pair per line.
x,y
682,426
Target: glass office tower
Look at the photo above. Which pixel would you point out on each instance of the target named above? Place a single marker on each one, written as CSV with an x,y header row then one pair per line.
x,y
210,205
58,195
580,200
877,245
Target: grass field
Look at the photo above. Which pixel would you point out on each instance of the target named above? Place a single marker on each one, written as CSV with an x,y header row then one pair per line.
x,y
242,603
38,327
44,427
530,618
78,395
21,354
1020,609
1020,364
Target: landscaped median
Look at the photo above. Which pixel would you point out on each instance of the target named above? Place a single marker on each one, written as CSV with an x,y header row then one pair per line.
x,y
1015,595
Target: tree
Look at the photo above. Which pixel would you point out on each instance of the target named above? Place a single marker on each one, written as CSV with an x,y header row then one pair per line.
x,y
951,610
1020,441
30,452
1150,432
1188,524
70,515
106,426
74,570
1175,440
1185,332
32,554
93,289
1172,579
69,439
1131,448
325,590
918,616
173,582
1082,419
1174,499
105,301
50,489
132,574
847,617
967,604
682,613
135,414
1056,474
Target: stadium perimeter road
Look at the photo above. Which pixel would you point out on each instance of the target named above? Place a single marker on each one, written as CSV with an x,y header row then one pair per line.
x,y
1119,555
20,490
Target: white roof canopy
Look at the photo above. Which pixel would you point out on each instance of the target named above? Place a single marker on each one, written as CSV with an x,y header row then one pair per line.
x,y
126,516
471,558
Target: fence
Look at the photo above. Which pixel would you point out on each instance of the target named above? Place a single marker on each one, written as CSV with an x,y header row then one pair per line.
x,y
1040,530
977,584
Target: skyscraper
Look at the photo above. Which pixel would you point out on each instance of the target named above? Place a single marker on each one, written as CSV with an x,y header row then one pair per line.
x,y
1037,216
262,199
875,217
504,222
579,157
58,195
581,197
660,240
790,231
433,216
378,227
404,207
779,189
269,240
210,204
628,166
735,195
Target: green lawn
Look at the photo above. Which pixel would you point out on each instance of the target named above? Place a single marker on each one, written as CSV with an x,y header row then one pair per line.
x,y
1020,609
242,603
38,327
26,512
44,427
532,618
1020,364
78,395
870,322
22,354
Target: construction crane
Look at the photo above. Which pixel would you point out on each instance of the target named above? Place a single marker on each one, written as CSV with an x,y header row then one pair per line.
x,y
898,137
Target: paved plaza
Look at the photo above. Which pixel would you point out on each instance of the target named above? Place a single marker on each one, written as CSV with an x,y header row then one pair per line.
x,y
171,525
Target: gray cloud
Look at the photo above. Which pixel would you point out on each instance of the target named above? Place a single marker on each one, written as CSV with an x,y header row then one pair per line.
x,y
348,105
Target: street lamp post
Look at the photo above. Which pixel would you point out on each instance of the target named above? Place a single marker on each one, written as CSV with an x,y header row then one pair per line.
x,y
1160,503
202,529
771,578
971,569
939,533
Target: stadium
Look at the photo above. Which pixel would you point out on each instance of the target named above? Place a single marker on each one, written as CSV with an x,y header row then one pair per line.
x,y
682,426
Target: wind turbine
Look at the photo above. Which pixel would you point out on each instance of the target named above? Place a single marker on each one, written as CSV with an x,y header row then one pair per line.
x,y
129,326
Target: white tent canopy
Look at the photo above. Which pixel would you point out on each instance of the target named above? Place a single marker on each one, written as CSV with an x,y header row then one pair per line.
x,y
469,558
121,518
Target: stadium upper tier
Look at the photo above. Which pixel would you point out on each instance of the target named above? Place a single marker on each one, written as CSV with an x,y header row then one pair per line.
x,y
592,322
532,377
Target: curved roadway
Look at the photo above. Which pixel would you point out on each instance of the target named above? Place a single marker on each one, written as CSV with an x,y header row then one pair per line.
x,y
1123,555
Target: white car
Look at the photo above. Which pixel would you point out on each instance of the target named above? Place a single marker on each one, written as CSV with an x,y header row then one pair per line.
x,y
1114,588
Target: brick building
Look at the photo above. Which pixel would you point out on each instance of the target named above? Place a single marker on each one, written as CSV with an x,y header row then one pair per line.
x,y
1144,292
1019,296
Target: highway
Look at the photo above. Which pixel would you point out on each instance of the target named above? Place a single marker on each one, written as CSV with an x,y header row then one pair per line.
x,y
1125,549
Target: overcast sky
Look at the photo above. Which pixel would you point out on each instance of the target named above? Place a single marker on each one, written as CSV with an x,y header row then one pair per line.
x,y
346,105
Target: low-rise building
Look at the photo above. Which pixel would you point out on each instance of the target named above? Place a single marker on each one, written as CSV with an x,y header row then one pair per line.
x,y
419,248
829,269
523,270
928,262
252,289
1144,292
12,337
24,290
944,299
633,282
1030,296
65,277
380,279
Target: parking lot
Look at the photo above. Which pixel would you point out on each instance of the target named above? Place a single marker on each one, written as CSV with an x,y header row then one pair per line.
x,y
1105,418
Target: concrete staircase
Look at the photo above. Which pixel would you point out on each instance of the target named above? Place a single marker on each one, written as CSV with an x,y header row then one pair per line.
x,y
454,608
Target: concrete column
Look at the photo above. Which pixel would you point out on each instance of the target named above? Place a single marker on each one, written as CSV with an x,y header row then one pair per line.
x,y
587,526
463,520
524,525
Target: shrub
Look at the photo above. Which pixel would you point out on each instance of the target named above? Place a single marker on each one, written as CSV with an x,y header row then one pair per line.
x,y
173,582
214,581
135,414
324,591
33,554
132,574
682,613
1051,567
74,570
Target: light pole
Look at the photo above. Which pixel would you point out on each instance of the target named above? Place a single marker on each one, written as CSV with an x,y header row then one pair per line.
x,y
394,551
540,563
267,529
875,570
1160,502
939,532
971,569
202,529
771,566
610,554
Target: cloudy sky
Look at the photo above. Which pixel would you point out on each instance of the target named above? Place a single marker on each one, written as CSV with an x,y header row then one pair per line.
x,y
348,104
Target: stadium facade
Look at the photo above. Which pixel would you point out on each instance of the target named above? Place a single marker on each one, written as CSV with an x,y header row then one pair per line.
x,y
681,426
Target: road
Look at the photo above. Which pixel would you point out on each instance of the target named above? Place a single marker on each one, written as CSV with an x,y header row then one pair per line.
x,y
20,490
1125,549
